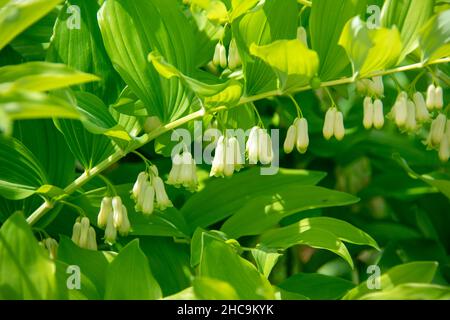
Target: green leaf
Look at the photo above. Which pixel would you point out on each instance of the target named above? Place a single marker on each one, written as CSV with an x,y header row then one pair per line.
x,y
317,286
293,62
221,198
93,264
213,289
411,291
370,50
26,272
435,37
437,180
275,20
265,260
219,261
263,212
216,10
16,16
326,22
129,277
90,57
409,17
240,7
169,262
42,76
21,174
418,272
23,105
133,29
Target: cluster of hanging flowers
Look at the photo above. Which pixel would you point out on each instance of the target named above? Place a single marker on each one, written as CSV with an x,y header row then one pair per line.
x,y
149,192
297,137
334,124
439,137
113,217
83,234
183,172
220,56
227,158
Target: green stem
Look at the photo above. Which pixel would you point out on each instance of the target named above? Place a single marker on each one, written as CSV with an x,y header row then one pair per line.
x,y
89,174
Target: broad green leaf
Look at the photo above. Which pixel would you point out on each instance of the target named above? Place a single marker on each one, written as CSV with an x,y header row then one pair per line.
x,y
314,237
24,105
93,264
326,22
21,174
370,50
198,243
409,17
169,262
275,20
418,272
435,37
222,198
128,276
16,16
216,93
97,118
240,7
213,289
219,261
437,180
90,57
265,260
293,62
411,291
263,212
215,10
42,76
317,286
151,25
26,272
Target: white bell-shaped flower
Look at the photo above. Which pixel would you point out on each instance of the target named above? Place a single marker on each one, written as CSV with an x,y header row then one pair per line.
x,y
117,211
218,163
84,233
438,129
439,98
76,232
216,58
302,139
92,239
148,200
174,175
411,124
339,129
229,158
302,36
234,60
400,110
422,114
265,151
378,86
110,231
162,200
431,97
223,56
139,185
125,227
252,145
368,113
378,114
290,141
105,210
328,126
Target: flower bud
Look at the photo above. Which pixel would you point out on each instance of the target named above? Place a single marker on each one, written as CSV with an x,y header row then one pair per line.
x,y
252,145
431,97
302,142
223,56
438,129
92,239
149,198
444,149
174,175
265,153
439,98
302,36
368,113
162,200
328,127
218,164
378,117
216,59
422,114
117,211
401,111
289,142
110,231
105,211
84,233
76,232
339,129
410,124
378,86
125,227
234,60
52,246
